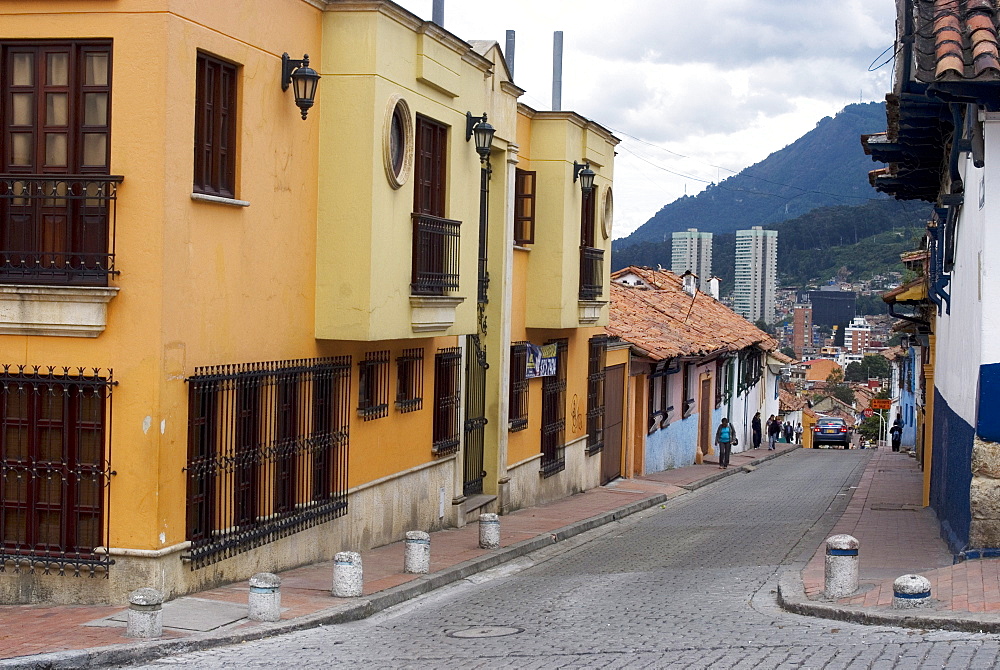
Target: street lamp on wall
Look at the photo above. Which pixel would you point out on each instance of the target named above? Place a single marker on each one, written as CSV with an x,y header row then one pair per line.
x,y
476,126
586,176
303,80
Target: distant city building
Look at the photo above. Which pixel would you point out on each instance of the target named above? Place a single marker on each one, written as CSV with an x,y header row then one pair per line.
x,y
857,336
756,273
692,251
833,307
802,331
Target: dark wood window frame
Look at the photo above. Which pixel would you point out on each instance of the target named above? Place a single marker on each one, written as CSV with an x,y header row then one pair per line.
x,y
215,130
373,385
596,362
55,457
447,401
518,397
524,206
410,380
553,426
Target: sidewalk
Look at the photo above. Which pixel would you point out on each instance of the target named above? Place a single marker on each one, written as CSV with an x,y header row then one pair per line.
x,y
898,536
34,636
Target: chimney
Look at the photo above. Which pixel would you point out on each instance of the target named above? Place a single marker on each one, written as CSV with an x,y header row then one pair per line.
x,y
437,14
713,287
557,57
510,53
690,281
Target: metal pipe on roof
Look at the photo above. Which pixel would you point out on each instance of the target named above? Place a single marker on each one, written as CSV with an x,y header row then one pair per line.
x,y
509,53
437,14
557,58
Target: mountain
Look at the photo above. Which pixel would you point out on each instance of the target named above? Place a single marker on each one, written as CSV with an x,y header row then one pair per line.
x,y
862,240
824,167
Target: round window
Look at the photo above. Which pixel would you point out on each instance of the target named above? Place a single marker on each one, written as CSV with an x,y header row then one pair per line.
x,y
397,142
607,213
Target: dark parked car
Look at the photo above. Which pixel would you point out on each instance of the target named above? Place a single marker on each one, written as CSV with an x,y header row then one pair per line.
x,y
832,432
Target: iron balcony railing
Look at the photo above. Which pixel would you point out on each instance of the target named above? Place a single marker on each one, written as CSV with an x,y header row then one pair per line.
x,y
435,255
57,229
591,273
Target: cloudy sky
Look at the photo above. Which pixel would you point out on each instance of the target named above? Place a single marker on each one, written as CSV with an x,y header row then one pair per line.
x,y
695,91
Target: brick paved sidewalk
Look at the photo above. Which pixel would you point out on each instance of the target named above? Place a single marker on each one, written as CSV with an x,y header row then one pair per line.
x,y
898,537
35,629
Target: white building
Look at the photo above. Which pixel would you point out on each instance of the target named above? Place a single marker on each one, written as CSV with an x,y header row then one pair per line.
x,y
857,336
692,251
756,273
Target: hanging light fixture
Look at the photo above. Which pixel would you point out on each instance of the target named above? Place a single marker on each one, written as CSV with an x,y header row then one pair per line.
x,y
476,126
585,175
303,80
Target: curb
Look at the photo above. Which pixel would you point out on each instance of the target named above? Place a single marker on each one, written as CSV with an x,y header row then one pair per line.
x,y
716,476
792,598
137,652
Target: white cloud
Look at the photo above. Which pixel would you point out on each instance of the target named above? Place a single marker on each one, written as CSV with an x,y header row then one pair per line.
x,y
725,82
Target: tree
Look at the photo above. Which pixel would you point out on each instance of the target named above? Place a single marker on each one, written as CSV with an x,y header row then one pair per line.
x,y
788,351
836,387
760,323
854,373
872,366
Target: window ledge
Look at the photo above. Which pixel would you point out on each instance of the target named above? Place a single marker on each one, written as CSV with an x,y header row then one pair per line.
x,y
232,202
433,313
62,311
590,311
519,247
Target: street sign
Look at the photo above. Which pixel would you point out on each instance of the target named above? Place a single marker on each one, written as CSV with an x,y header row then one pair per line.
x,y
881,403
868,412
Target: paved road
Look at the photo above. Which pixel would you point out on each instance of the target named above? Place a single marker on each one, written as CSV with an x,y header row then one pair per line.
x,y
688,585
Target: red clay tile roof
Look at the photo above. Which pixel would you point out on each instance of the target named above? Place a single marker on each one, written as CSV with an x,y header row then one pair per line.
x,y
665,322
789,402
956,40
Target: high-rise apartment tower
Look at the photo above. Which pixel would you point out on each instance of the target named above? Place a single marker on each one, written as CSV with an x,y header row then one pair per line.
x,y
756,273
692,251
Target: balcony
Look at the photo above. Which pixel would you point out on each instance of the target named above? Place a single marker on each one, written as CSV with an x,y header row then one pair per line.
x,y
435,255
57,240
591,273
57,230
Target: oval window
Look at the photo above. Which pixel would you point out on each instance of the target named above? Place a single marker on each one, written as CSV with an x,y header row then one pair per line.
x,y
607,213
397,142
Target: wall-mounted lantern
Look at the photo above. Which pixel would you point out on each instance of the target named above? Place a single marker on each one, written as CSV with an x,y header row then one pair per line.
x,y
483,132
303,80
586,176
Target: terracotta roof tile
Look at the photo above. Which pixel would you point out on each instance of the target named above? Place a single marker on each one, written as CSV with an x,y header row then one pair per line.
x,y
957,40
660,318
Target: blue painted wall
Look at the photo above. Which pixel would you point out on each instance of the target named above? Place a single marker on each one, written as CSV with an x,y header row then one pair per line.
x,y
951,474
908,412
988,420
673,446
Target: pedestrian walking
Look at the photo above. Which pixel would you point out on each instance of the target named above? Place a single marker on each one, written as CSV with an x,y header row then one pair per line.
x,y
725,435
755,430
896,434
788,432
773,431
798,434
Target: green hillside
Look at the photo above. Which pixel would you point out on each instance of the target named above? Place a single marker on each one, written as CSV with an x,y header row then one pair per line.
x,y
812,248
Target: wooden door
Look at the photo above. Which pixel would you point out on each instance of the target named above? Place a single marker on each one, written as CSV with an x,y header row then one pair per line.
x,y
705,417
614,405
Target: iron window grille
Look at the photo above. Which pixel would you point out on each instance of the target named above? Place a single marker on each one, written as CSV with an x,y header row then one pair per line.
x,y
524,207
267,453
447,394
55,464
436,251
723,381
596,363
591,273
373,385
410,380
659,395
518,396
56,195
554,414
751,369
215,127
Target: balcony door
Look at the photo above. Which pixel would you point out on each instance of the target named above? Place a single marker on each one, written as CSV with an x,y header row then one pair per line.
x,y
54,159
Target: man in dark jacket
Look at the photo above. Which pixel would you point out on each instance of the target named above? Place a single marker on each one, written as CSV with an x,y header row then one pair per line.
x,y
756,430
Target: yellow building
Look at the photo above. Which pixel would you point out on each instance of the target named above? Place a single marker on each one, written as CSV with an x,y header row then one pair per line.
x,y
236,336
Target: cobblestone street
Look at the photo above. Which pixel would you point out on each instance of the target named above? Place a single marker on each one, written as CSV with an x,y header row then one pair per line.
x,y
687,585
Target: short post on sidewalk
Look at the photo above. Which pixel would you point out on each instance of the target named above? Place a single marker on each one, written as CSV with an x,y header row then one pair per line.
x,y
265,597
911,592
489,531
417,553
145,613
348,576
841,568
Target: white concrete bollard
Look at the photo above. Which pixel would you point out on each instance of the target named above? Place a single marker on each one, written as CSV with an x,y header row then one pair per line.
x,y
348,575
417,552
910,592
145,613
265,597
489,531
841,569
